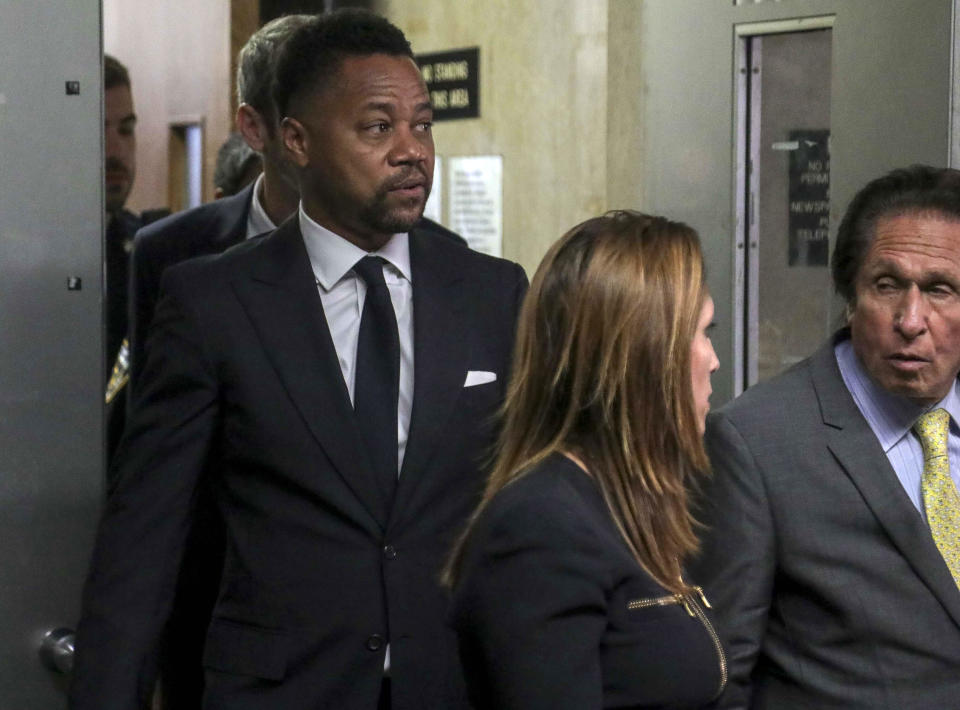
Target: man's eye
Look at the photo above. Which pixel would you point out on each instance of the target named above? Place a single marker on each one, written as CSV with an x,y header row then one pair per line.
x,y
379,127
940,290
425,126
886,285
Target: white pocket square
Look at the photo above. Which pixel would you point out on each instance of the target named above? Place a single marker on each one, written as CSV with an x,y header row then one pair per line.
x,y
479,377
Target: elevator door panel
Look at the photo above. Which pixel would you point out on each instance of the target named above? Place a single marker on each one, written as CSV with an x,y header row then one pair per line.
x,y
51,391
881,116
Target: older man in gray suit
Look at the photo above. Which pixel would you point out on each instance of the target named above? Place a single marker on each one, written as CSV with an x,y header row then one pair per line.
x,y
832,553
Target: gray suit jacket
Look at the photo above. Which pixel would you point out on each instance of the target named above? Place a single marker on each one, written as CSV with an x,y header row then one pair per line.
x,y
828,588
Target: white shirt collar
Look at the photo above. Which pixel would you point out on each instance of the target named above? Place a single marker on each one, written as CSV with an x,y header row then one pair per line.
x,y
332,256
258,221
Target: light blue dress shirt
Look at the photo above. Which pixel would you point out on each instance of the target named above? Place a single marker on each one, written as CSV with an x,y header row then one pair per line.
x,y
891,418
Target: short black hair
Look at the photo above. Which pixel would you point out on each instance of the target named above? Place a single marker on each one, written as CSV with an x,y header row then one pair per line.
x,y
234,159
913,190
314,51
256,62
114,73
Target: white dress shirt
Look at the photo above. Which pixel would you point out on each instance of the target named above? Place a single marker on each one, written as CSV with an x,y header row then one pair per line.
x,y
342,294
258,221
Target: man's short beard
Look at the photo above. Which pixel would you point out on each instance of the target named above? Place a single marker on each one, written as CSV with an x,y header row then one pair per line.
x,y
382,220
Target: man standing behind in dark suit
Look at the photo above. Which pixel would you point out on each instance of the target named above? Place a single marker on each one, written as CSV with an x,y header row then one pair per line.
x,y
210,229
832,552
342,373
217,226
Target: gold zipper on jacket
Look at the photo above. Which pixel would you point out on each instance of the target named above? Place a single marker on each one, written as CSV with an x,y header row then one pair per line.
x,y
655,601
689,603
721,656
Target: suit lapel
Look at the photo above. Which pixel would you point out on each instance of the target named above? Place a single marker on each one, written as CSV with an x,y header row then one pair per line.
x,y
439,357
281,299
856,448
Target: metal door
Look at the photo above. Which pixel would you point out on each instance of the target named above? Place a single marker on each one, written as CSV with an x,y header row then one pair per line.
x,y
890,106
783,169
51,391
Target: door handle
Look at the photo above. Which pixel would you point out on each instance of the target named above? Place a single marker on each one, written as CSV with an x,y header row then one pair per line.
x,y
56,650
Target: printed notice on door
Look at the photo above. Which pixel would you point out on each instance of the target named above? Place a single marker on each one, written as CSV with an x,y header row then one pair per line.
x,y
434,207
809,198
475,195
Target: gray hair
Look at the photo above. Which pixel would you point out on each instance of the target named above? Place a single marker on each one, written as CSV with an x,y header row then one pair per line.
x,y
256,62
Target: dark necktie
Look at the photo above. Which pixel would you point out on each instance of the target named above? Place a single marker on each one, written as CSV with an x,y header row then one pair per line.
x,y
377,381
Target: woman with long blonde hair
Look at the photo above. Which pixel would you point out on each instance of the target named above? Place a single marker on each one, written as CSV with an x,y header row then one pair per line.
x,y
568,586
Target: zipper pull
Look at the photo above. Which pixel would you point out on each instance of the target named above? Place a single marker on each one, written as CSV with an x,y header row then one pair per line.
x,y
684,599
703,597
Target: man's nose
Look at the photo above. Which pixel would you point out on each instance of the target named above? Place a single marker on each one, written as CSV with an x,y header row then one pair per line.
x,y
911,317
408,147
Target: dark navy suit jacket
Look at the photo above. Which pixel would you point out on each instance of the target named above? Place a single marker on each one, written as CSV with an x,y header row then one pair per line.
x,y
241,385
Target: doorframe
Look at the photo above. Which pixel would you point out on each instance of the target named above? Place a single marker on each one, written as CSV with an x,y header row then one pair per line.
x,y
746,233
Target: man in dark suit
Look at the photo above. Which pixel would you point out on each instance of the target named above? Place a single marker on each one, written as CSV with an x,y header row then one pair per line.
x,y
832,552
217,226
210,229
264,360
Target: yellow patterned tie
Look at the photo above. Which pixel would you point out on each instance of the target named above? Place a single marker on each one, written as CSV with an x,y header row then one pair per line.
x,y
940,498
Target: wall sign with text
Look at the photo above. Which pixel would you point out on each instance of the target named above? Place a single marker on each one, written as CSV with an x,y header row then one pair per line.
x,y
809,205
453,80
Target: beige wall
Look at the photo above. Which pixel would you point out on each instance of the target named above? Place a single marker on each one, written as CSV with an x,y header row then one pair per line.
x,y
178,54
543,106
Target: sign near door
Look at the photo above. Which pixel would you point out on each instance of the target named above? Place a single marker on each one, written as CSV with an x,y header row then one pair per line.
x,y
453,80
809,198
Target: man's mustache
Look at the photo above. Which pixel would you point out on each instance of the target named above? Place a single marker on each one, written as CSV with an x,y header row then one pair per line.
x,y
408,174
115,165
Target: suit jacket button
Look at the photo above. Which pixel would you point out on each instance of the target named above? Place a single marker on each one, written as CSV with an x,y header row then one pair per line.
x,y
390,552
375,642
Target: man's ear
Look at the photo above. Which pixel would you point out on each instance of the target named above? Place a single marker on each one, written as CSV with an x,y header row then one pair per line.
x,y
252,127
295,141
